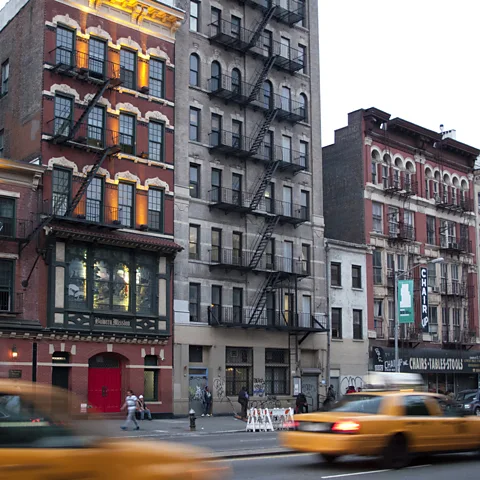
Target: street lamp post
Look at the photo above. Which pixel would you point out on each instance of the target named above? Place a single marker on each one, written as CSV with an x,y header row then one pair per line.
x,y
396,277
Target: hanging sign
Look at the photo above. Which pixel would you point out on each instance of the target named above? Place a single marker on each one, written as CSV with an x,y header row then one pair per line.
x,y
424,298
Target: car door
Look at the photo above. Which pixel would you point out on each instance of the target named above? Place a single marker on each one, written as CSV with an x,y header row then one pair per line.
x,y
34,447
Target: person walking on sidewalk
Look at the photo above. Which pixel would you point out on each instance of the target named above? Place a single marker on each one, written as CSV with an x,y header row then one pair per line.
x,y
207,402
143,408
131,404
243,401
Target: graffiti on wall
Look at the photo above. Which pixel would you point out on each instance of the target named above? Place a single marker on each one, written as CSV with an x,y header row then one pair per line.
x,y
195,393
258,387
355,381
219,388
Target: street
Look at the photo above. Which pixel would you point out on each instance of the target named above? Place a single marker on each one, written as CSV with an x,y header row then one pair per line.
x,y
308,466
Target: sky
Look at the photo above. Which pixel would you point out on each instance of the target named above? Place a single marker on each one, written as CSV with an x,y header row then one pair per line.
x,y
415,59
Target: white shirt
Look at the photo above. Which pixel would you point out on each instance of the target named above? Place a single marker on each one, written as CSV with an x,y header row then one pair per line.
x,y
131,402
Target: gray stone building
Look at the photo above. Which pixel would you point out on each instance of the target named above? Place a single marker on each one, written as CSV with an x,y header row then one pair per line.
x,y
250,283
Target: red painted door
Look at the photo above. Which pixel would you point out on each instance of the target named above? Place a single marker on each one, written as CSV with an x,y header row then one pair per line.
x,y
104,389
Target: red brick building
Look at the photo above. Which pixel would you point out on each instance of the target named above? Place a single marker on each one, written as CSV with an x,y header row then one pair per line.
x,y
408,192
90,99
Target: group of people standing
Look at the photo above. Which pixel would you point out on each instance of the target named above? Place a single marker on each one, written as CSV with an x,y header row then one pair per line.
x,y
134,404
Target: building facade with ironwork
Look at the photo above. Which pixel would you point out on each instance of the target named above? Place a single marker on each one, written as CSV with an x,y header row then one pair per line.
x,y
91,100
408,193
249,285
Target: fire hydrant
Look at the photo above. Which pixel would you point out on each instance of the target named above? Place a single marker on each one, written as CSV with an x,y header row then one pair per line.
x,y
192,419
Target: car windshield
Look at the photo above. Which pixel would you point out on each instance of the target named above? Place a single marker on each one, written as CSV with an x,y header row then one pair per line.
x,y
465,396
359,404
470,396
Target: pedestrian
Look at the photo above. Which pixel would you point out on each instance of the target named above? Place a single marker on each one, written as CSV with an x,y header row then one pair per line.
x,y
243,401
331,397
350,389
143,408
207,402
131,404
301,404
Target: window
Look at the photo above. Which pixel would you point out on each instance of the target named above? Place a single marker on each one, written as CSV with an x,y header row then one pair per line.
x,y
431,234
65,43
236,189
195,354
303,58
238,370
94,201
194,242
415,407
216,135
150,379
156,134
336,323
63,115
236,81
237,128
5,76
216,243
433,319
336,274
385,181
6,285
287,256
267,41
286,99
95,127
216,191
126,204
287,201
286,149
128,62
194,302
267,94
377,211
216,20
2,142
447,233
303,158
306,259
127,133
378,308
432,274
356,276
268,146
97,49
194,70
237,248
357,325
236,26
269,197
374,171
237,303
393,219
277,379
284,47
194,134
216,303
155,209
408,219
270,254
377,267
216,76
61,185
303,109
194,14
194,180
156,73
304,204
7,217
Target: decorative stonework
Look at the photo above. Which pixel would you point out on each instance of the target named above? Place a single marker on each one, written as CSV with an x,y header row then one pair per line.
x,y
63,162
156,115
159,53
156,182
99,32
128,42
101,100
101,171
66,20
197,105
128,107
62,88
127,176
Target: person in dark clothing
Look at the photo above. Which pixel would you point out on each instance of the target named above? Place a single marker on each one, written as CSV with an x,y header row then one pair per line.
x,y
301,405
207,402
243,401
331,396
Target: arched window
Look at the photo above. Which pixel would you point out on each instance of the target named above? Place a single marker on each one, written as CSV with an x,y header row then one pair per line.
x,y
286,99
236,81
267,94
304,107
216,71
194,70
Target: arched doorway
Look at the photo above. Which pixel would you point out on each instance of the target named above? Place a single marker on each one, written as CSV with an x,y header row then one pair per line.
x,y
105,382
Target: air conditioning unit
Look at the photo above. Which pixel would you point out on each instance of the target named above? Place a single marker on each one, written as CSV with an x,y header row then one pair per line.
x,y
436,289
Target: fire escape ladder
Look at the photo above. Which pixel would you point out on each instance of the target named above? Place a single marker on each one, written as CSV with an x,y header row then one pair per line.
x,y
261,25
262,183
262,130
87,111
261,77
261,298
262,240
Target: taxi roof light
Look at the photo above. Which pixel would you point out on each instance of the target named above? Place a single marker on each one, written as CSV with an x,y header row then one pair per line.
x,y
347,426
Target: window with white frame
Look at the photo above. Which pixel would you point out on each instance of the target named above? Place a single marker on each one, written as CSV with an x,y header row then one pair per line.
x,y
377,267
431,234
377,216
393,219
431,275
357,324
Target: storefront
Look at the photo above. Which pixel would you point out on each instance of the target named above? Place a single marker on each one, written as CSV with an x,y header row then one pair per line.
x,y
442,370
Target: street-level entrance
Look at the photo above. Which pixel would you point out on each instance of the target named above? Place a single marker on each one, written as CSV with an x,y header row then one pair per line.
x,y
105,382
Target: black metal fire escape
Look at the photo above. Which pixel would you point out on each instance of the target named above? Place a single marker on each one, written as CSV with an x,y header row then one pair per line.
x,y
260,77
260,301
259,28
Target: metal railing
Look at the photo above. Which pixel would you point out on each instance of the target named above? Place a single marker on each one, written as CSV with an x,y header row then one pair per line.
x,y
401,231
230,142
15,228
454,288
378,325
287,11
456,245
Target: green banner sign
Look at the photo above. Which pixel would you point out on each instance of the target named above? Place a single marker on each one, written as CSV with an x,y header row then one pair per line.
x,y
405,301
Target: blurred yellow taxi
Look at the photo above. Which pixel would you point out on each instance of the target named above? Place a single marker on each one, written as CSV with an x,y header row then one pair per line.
x,y
44,436
391,424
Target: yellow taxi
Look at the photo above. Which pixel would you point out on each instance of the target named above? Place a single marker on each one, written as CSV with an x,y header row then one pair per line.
x,y
391,424
43,436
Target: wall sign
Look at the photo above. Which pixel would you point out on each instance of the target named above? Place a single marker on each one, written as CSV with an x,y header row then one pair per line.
x,y
405,301
14,374
111,322
424,298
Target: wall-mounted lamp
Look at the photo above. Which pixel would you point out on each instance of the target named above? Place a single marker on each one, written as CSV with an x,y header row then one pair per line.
x,y
14,352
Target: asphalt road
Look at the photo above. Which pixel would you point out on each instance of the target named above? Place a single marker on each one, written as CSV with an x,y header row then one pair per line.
x,y
307,466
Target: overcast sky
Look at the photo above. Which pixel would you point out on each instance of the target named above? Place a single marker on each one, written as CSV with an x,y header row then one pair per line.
x,y
415,59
